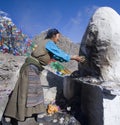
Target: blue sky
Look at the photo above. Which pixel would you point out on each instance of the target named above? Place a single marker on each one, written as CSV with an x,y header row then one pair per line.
x,y
70,17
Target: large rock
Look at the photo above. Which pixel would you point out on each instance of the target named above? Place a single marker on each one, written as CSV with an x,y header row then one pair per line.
x,y
101,45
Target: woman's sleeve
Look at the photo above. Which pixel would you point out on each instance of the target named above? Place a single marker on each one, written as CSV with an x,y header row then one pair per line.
x,y
58,54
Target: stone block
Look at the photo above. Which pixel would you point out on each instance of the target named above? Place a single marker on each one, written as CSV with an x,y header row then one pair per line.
x,y
100,102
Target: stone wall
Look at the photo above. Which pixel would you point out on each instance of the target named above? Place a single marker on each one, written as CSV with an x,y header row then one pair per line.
x,y
99,102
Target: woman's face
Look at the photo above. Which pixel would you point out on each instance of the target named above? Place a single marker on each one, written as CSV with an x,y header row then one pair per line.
x,y
56,37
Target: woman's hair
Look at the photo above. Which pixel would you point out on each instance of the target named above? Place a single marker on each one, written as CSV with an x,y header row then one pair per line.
x,y
51,33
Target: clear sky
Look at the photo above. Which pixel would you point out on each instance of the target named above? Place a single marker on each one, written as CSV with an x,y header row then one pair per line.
x,y
70,17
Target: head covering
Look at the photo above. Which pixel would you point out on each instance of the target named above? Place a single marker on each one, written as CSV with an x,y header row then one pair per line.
x,y
51,32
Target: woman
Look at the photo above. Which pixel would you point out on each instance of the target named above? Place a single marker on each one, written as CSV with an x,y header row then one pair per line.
x,y
27,98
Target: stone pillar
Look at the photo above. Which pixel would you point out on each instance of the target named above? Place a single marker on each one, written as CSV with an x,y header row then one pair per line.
x,y
100,102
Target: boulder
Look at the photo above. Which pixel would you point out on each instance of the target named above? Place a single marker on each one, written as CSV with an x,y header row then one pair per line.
x,y
101,46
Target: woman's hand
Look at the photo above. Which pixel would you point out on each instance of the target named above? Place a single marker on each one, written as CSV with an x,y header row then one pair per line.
x,y
78,58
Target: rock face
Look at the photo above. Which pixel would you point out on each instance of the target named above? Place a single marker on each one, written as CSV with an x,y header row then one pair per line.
x,y
101,45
